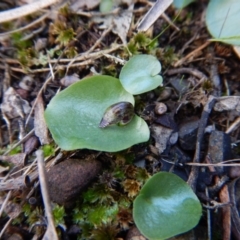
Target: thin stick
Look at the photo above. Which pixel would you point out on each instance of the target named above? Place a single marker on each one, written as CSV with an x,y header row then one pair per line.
x,y
93,47
220,164
5,227
51,231
5,202
233,126
25,138
33,23
213,164
27,9
181,61
192,71
208,216
80,57
225,198
202,124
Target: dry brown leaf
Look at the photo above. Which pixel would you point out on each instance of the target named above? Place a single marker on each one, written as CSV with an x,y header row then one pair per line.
x,y
13,209
226,212
120,23
13,105
3,169
228,103
16,159
78,5
236,49
161,135
40,126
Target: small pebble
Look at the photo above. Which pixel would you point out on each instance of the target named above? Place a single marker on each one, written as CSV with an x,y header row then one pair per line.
x,y
69,80
219,148
69,178
188,134
160,108
27,83
165,94
234,172
40,44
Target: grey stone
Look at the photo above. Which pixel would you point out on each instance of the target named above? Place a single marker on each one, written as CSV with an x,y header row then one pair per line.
x,y
188,134
219,148
69,178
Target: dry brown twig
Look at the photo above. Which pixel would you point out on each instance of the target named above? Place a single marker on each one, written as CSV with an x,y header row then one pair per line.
x,y
235,125
5,227
33,23
203,122
194,52
105,32
225,198
25,138
192,71
5,202
50,233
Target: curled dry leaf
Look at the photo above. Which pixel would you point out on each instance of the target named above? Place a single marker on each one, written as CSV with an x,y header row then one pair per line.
x,y
119,113
40,126
13,105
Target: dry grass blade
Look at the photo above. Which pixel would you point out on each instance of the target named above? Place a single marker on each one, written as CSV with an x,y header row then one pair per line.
x,y
50,233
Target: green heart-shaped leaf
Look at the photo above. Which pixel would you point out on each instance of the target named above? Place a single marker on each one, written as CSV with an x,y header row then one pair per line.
x,y
221,19
166,206
73,116
140,74
182,3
